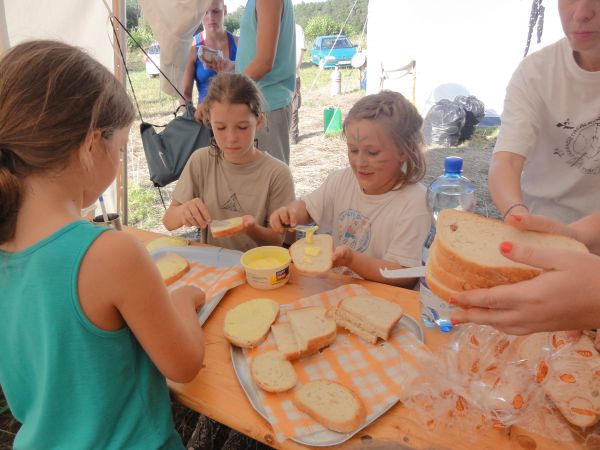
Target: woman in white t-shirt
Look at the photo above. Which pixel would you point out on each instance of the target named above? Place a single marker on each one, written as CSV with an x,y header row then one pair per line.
x,y
547,156
375,209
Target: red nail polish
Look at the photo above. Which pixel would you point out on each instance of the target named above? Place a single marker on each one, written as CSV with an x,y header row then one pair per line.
x,y
506,247
516,218
452,301
454,322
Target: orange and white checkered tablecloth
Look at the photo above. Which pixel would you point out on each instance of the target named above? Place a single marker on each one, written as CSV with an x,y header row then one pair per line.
x,y
377,373
212,280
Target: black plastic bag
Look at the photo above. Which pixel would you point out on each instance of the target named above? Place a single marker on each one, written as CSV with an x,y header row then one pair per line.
x,y
474,112
443,123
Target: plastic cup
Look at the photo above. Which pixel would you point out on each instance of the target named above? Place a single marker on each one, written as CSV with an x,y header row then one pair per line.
x,y
114,220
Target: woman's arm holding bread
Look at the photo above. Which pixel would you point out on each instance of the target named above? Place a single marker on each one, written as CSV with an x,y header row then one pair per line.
x,y
368,267
505,182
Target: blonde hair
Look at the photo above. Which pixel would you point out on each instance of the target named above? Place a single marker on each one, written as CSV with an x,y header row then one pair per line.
x,y
234,89
396,115
52,95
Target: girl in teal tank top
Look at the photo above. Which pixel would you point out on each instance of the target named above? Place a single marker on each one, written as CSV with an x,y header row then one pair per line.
x,y
92,330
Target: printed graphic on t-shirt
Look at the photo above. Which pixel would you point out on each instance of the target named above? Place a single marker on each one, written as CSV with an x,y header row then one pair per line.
x,y
232,204
582,147
353,229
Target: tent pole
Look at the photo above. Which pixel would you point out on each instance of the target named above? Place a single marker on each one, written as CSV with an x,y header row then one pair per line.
x,y
118,7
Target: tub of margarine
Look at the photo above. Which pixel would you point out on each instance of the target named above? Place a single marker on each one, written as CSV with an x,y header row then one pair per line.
x,y
267,267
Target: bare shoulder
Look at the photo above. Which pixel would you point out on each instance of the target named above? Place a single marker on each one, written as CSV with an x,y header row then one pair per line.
x,y
116,253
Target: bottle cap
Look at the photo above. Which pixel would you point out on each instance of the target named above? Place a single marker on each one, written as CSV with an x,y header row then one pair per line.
x,y
453,164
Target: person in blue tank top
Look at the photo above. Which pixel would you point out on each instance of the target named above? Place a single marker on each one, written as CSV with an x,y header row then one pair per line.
x,y
215,37
90,326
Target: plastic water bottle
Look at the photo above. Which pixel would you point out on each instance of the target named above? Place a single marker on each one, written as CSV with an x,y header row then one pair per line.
x,y
450,190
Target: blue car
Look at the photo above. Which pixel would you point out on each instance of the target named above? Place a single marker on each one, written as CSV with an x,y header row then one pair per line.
x,y
331,51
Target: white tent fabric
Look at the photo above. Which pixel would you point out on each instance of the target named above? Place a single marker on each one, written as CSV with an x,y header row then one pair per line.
x,y
79,22
474,44
82,23
173,24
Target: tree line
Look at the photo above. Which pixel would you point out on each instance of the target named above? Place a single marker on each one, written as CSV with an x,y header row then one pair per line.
x,y
317,18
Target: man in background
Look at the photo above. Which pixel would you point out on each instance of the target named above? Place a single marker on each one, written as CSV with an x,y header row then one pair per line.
x,y
297,99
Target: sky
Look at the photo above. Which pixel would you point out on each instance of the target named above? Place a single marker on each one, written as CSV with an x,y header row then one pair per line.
x,y
232,5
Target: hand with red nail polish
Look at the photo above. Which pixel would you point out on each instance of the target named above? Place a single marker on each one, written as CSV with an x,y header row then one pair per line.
x,y
565,296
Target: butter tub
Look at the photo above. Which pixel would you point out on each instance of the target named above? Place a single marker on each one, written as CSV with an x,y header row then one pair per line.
x,y
267,267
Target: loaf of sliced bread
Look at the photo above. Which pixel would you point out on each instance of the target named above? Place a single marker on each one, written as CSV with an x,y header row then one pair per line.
x,y
226,227
172,267
332,404
470,244
465,253
272,372
165,242
443,271
314,256
248,324
313,329
374,316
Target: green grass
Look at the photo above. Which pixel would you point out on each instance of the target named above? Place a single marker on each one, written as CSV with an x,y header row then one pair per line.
x,y
152,101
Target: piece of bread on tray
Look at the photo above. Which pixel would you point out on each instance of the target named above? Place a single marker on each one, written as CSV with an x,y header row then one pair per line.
x,y
286,340
313,329
332,404
466,247
247,324
368,316
167,241
313,255
272,372
172,267
226,227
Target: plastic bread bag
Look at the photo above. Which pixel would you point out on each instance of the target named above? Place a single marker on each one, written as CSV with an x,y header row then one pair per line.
x,y
481,378
209,56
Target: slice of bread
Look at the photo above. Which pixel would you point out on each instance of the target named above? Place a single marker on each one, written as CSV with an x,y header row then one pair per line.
x,y
272,372
248,324
436,286
353,328
469,243
166,241
442,270
286,340
332,404
227,227
315,257
374,315
312,328
172,267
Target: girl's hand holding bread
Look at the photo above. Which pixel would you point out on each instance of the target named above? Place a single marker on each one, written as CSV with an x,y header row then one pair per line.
x,y
342,256
193,213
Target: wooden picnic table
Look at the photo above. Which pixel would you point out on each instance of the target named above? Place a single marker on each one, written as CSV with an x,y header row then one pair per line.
x,y
216,392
